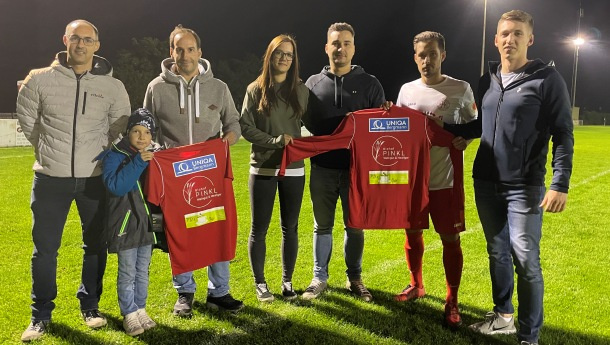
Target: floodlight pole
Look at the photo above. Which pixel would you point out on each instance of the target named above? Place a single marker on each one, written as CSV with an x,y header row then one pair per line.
x,y
483,43
577,43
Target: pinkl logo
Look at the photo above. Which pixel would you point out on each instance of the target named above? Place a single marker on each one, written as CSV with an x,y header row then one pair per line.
x,y
387,151
199,191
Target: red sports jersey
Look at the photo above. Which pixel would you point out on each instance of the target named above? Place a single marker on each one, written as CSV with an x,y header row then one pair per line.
x,y
390,165
194,186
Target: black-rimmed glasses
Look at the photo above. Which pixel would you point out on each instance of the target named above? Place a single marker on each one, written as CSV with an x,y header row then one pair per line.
x,y
75,39
280,54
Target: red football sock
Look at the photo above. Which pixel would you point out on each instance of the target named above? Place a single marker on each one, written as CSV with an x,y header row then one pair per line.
x,y
414,250
453,260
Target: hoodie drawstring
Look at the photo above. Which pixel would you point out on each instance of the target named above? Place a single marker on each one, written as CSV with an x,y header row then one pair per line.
x,y
182,107
339,92
197,100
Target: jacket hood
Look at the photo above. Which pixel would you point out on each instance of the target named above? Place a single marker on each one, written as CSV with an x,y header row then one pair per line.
x,y
167,66
338,82
101,66
205,74
356,69
530,68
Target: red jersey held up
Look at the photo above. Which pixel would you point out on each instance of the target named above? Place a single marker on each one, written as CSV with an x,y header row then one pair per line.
x,y
389,168
193,184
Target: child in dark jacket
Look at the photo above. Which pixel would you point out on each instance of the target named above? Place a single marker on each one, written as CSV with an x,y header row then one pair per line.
x,y
128,219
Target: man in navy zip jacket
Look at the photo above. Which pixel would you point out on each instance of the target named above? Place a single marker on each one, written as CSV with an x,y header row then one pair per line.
x,y
523,103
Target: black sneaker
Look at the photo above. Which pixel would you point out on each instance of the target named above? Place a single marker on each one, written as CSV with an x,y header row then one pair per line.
x,y
184,305
93,318
263,294
35,330
226,302
288,291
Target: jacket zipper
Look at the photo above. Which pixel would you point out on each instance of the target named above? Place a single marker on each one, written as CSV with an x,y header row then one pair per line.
x,y
74,122
124,225
146,208
84,102
504,89
493,144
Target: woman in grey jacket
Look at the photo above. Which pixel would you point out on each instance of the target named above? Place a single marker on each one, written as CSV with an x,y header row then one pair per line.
x,y
273,108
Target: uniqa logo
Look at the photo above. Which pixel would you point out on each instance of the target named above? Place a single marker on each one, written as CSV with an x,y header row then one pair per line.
x,y
394,124
193,165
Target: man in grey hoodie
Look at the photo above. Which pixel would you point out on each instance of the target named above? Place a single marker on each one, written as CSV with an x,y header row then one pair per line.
x,y
191,106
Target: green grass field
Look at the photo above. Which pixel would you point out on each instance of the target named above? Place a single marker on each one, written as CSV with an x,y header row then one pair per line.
x,y
575,259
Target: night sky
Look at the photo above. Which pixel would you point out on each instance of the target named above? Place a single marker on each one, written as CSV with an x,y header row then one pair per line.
x,y
31,32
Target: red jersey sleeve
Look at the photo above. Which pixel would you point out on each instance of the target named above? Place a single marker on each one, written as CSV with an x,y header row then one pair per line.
x,y
228,168
307,147
437,135
154,183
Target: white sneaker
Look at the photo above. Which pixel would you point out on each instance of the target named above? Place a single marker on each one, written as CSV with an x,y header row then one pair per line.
x,y
314,289
145,320
35,330
131,324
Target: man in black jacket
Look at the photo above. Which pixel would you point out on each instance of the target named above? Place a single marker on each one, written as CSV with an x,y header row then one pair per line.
x,y
523,103
340,88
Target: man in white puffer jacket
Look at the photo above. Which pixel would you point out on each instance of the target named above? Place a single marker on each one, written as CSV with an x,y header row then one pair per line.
x,y
70,112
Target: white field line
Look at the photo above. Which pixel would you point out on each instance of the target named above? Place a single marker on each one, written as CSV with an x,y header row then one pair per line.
x,y
383,267
591,178
9,157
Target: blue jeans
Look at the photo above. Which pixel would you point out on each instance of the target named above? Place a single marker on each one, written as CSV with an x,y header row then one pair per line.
x,y
262,199
218,280
326,186
50,204
512,222
132,278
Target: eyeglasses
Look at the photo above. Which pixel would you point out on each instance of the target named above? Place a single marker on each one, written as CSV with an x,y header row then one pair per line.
x,y
88,41
280,54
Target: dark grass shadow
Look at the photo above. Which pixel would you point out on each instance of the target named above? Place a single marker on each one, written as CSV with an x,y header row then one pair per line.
x,y
253,326
414,322
411,322
424,323
71,335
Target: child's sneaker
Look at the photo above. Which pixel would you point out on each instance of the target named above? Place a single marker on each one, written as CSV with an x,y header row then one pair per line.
x,y
131,324
145,320
314,289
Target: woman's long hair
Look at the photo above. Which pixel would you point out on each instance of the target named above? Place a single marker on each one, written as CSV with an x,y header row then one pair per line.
x,y
288,91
